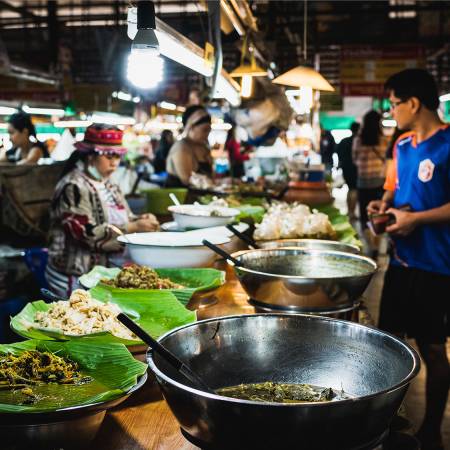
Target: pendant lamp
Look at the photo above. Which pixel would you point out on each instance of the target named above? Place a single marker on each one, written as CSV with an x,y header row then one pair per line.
x,y
247,71
304,76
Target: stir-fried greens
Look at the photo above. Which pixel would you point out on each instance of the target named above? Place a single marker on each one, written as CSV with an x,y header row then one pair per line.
x,y
33,368
280,392
140,277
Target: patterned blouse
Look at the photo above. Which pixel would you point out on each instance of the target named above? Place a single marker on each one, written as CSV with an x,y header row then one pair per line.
x,y
81,235
371,163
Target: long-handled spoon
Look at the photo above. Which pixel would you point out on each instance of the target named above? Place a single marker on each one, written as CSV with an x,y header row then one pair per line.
x,y
167,355
222,253
174,199
49,295
243,237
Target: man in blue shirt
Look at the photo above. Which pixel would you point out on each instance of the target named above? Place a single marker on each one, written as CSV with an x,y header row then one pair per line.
x,y
416,294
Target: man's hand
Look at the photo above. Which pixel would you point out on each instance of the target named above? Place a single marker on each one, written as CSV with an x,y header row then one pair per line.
x,y
405,222
377,207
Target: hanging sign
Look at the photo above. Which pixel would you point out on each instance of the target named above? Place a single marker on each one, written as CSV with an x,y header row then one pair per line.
x,y
364,69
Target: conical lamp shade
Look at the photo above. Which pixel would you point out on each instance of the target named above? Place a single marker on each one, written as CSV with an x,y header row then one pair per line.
x,y
304,76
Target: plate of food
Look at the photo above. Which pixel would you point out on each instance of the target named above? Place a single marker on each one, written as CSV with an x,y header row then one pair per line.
x,y
138,280
41,376
55,394
250,209
95,319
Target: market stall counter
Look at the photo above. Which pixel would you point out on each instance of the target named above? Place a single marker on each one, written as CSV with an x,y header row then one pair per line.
x,y
145,422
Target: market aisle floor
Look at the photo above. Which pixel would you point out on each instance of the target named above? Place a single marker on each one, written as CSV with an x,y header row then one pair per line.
x,y
415,399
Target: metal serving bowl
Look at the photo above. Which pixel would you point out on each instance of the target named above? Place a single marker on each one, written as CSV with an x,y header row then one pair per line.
x,y
303,280
68,428
319,244
373,367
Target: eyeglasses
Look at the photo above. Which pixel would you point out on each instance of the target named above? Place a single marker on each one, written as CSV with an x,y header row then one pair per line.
x,y
394,105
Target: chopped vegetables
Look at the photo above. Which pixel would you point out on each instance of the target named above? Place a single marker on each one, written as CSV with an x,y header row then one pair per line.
x,y
83,315
140,277
290,221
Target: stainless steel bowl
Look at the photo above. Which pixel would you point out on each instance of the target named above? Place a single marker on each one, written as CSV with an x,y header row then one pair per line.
x,y
375,368
303,280
68,428
319,244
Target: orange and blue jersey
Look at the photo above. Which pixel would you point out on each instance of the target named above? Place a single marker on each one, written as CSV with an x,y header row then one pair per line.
x,y
420,177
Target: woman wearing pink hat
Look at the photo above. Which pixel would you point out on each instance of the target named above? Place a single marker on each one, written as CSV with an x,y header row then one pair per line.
x,y
88,211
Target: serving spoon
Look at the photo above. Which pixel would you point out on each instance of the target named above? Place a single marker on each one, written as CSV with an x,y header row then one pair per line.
x,y
174,199
243,237
49,295
222,253
167,355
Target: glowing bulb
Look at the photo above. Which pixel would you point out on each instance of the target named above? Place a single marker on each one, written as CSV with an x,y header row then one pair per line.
x,y
246,86
306,98
145,68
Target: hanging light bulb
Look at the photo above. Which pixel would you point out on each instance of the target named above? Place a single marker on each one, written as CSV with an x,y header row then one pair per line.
x,y
246,86
145,66
306,98
145,69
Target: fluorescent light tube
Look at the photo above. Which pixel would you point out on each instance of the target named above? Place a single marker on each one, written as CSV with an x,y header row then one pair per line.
x,y
167,105
6,110
44,111
72,123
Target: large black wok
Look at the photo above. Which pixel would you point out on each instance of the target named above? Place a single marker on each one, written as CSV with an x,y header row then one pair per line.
x,y
372,366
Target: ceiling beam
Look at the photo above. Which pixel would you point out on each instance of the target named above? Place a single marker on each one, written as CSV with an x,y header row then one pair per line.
x,y
22,10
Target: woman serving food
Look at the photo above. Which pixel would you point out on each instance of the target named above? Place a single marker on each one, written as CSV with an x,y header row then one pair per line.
x,y
88,211
191,154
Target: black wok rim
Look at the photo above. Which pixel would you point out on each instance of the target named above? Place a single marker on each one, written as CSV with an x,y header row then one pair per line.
x,y
412,374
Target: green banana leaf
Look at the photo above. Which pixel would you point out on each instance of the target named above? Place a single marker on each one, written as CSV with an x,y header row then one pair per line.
x,y
341,223
111,366
157,312
253,212
194,280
